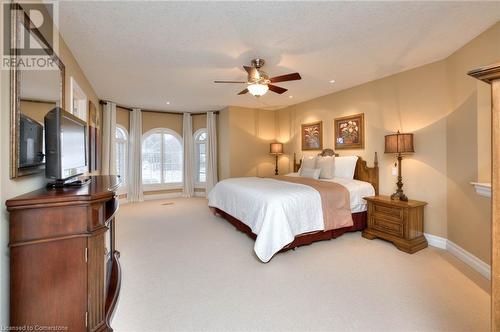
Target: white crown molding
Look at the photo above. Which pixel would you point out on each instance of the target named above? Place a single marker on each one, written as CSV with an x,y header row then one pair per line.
x,y
482,189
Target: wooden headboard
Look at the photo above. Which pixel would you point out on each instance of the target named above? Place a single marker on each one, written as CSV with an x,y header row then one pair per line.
x,y
362,171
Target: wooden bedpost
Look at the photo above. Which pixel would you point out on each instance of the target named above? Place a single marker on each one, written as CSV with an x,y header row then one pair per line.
x,y
375,161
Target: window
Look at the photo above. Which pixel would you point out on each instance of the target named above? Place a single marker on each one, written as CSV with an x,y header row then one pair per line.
x,y
162,158
121,152
200,150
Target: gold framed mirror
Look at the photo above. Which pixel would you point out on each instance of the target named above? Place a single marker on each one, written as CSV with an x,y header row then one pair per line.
x,y
34,92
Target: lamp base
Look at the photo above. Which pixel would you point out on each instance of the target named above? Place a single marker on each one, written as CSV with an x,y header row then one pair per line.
x,y
399,192
276,172
399,195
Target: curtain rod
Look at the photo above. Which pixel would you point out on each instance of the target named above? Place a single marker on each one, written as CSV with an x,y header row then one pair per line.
x,y
104,102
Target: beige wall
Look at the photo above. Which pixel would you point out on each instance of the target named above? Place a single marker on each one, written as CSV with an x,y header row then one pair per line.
x,y
11,188
448,112
123,118
199,121
413,101
36,110
244,137
469,148
73,70
152,120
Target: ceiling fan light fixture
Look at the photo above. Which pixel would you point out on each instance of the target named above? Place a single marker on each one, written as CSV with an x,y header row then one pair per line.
x,y
257,89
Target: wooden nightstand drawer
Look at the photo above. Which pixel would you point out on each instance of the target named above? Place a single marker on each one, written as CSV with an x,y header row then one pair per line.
x,y
397,221
385,211
390,227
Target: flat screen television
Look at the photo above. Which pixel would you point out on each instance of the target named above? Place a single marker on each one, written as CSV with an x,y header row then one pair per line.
x,y
65,146
30,142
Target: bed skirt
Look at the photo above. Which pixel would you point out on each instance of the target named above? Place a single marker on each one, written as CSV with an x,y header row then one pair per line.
x,y
359,223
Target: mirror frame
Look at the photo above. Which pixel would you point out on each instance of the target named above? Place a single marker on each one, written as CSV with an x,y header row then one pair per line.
x,y
20,17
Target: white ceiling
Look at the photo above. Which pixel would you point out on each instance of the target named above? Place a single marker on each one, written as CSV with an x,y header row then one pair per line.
x,y
144,54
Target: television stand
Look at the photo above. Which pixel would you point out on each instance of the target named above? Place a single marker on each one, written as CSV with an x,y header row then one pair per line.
x,y
73,182
64,264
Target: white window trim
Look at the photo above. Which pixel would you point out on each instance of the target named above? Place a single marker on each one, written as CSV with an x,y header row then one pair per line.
x,y
163,186
197,184
482,188
75,90
124,187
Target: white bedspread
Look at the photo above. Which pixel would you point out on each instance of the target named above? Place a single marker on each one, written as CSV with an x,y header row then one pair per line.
x,y
277,211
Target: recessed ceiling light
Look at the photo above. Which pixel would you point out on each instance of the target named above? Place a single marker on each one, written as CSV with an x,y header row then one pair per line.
x,y
290,96
332,81
168,103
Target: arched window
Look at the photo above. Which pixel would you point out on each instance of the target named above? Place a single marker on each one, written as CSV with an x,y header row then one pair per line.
x,y
200,150
162,157
121,152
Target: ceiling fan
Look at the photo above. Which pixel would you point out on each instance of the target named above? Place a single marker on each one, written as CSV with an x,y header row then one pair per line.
x,y
259,81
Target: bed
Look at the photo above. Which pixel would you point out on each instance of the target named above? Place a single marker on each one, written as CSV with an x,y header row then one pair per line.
x,y
283,213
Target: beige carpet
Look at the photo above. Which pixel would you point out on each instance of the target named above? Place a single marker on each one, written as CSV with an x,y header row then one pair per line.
x,y
186,270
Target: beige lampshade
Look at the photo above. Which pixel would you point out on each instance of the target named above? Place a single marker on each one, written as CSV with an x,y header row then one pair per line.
x,y
399,143
276,148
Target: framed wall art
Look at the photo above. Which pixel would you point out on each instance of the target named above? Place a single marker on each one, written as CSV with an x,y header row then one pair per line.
x,y
312,136
350,132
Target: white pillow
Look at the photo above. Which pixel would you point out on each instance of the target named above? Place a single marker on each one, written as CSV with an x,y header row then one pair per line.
x,y
312,173
327,166
308,162
345,167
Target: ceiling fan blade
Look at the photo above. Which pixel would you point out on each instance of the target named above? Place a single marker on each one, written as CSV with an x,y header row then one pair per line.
x,y
287,77
252,72
277,89
229,82
243,92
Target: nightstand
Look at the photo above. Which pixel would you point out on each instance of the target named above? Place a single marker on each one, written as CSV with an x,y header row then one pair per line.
x,y
401,223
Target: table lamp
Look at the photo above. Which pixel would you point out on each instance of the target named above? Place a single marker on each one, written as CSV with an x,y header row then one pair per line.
x,y
399,144
276,149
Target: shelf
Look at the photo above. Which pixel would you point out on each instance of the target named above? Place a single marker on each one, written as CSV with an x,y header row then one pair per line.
x,y
482,189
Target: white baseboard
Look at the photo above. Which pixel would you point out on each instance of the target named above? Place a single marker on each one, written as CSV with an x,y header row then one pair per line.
x,y
460,253
436,241
162,196
469,259
153,197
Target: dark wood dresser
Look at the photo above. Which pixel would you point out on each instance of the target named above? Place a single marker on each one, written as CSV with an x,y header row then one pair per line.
x,y
399,222
64,269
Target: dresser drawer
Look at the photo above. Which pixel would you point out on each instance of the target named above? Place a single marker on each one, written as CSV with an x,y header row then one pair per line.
x,y
387,226
385,211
